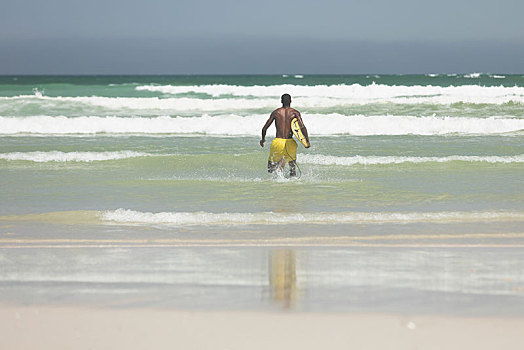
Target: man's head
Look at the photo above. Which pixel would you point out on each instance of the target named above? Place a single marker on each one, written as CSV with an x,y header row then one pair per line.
x,y
286,100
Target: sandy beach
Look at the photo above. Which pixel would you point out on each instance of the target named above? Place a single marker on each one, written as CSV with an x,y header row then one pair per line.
x,y
227,297
71,327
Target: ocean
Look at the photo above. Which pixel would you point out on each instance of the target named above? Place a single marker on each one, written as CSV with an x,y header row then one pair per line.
x,y
425,168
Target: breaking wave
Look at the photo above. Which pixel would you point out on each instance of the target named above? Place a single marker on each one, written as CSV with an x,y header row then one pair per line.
x,y
57,156
241,98
377,160
308,96
126,216
319,124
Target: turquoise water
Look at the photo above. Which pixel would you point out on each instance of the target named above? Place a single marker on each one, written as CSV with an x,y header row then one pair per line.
x,y
189,144
153,191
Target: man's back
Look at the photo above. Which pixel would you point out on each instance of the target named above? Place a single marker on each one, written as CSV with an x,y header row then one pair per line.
x,y
283,117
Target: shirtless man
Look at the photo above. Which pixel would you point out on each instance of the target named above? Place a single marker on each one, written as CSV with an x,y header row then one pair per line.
x,y
283,148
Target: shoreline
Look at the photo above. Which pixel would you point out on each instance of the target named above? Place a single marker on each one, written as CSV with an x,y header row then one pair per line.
x,y
437,240
80,327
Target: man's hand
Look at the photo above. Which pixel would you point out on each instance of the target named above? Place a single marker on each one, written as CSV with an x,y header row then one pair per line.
x,y
262,143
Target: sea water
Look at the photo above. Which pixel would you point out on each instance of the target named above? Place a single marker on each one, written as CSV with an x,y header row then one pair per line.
x,y
398,159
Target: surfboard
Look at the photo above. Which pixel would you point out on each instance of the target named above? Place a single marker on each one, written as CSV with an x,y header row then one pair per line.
x,y
295,127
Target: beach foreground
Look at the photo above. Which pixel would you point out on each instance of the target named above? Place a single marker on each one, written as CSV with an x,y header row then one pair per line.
x,y
46,327
60,296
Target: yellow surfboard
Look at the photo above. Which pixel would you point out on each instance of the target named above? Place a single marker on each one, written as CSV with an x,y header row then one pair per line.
x,y
295,127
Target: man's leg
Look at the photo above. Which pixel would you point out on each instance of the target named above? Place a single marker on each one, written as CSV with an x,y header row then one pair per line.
x,y
271,167
292,168
281,164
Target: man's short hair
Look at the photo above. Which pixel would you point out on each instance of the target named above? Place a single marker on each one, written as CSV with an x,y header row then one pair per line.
x,y
286,99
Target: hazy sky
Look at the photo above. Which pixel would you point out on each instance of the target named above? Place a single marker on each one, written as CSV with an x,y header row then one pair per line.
x,y
248,36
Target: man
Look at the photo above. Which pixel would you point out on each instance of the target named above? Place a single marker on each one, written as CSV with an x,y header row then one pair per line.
x,y
283,148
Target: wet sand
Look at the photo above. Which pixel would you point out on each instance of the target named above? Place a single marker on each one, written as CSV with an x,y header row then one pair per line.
x,y
73,327
398,292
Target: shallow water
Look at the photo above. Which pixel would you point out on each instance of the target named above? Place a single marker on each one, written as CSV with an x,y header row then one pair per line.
x,y
105,181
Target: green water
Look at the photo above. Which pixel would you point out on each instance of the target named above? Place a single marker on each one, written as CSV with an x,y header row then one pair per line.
x,y
196,148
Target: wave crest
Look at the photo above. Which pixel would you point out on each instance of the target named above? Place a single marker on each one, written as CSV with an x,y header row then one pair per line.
x,y
329,95
57,156
126,216
318,124
380,160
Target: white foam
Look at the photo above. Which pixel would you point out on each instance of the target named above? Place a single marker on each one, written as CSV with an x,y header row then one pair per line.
x,y
125,216
57,156
131,104
37,92
472,75
409,125
332,95
233,97
378,160
221,125
230,124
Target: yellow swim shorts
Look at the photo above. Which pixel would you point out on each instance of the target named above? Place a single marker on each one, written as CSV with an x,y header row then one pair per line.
x,y
283,148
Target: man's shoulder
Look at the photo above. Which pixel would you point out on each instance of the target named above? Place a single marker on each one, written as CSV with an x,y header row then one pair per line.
x,y
295,111
276,112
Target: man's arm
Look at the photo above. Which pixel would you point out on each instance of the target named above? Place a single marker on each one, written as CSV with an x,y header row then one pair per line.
x,y
264,129
303,128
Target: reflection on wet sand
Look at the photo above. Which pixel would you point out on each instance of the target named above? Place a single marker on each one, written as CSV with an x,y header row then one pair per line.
x,y
282,277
